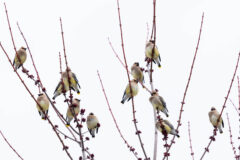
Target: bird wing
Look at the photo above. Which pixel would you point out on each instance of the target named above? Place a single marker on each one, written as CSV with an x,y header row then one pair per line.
x,y
163,102
75,78
169,124
57,87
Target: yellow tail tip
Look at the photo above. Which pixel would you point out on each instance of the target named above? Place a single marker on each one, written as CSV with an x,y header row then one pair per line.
x,y
159,66
67,125
78,93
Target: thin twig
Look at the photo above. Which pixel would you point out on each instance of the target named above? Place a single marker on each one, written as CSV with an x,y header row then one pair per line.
x,y
132,149
230,135
5,139
53,127
38,77
234,105
238,116
148,90
186,89
212,138
190,141
126,66
70,94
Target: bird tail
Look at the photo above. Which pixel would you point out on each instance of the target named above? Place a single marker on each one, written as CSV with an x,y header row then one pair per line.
x,y
124,98
220,130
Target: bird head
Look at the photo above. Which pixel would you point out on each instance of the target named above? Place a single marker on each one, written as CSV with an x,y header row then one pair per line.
x,y
40,94
23,48
136,64
91,114
213,109
154,93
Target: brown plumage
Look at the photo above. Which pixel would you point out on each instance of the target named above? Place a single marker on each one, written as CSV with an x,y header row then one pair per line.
x,y
213,117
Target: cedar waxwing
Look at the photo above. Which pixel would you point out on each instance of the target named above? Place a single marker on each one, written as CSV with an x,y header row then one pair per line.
x,y
167,126
44,103
213,117
158,103
22,55
59,89
92,124
75,107
73,80
127,94
137,73
148,52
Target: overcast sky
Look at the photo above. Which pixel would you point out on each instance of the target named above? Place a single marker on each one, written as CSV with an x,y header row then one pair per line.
x,y
87,25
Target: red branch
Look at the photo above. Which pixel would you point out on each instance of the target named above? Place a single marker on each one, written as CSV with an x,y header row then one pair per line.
x,y
39,81
10,145
185,92
239,115
190,140
126,66
230,135
234,106
49,121
70,94
212,138
38,77
132,149
148,90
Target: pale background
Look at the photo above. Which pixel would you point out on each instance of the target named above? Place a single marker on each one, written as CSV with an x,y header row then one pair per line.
x,y
87,25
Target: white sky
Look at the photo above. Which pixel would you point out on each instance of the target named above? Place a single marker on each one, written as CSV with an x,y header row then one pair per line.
x,y
87,24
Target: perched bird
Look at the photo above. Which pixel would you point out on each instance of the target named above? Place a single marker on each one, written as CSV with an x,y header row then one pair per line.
x,y
127,93
20,58
43,101
73,80
92,124
165,125
72,111
158,103
213,117
59,88
155,56
137,73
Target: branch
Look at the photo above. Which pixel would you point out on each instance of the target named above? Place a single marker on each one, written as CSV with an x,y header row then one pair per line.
x,y
10,145
70,94
49,121
132,149
186,89
234,106
212,138
126,66
190,141
38,77
148,90
230,135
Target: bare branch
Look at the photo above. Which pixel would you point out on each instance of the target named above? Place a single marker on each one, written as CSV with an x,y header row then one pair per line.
x,y
190,140
5,139
230,135
126,66
65,148
212,138
186,89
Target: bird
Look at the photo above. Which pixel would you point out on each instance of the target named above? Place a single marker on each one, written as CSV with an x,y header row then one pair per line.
x,y
165,125
20,58
213,117
72,111
43,101
92,124
137,73
127,93
75,86
59,89
73,80
158,103
155,56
